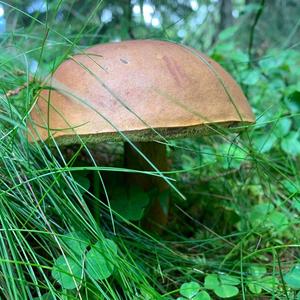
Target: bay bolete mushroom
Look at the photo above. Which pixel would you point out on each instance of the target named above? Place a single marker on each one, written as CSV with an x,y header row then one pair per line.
x,y
139,92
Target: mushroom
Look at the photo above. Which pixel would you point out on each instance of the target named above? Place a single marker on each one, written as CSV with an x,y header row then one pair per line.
x,y
142,92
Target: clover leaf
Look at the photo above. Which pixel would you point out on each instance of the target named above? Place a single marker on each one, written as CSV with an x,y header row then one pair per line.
x,y
67,272
292,278
99,260
131,203
76,242
223,285
189,289
192,290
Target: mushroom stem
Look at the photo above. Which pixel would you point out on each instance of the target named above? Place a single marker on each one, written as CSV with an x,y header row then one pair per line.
x,y
156,186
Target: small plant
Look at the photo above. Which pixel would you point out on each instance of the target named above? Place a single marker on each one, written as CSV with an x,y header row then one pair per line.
x,y
223,285
193,291
257,280
131,203
292,279
266,216
226,286
96,263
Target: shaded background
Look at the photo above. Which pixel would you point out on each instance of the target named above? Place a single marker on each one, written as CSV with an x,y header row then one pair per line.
x,y
197,23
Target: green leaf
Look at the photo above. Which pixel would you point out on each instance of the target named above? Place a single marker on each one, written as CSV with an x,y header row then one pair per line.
x,y
99,260
254,280
278,220
203,295
229,280
292,278
233,156
189,289
290,144
251,7
228,33
226,291
208,154
148,294
76,242
220,49
265,215
269,283
188,162
254,287
130,204
264,143
259,214
239,56
211,281
257,271
269,63
67,272
283,127
251,77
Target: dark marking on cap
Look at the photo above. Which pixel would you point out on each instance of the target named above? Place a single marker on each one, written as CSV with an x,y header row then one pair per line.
x,y
124,61
175,70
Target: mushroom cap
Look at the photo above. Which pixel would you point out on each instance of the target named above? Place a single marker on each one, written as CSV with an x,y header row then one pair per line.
x,y
144,89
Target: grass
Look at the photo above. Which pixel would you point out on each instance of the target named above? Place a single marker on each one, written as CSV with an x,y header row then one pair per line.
x,y
240,217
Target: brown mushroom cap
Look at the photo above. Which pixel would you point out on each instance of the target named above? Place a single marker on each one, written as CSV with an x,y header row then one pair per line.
x,y
141,88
